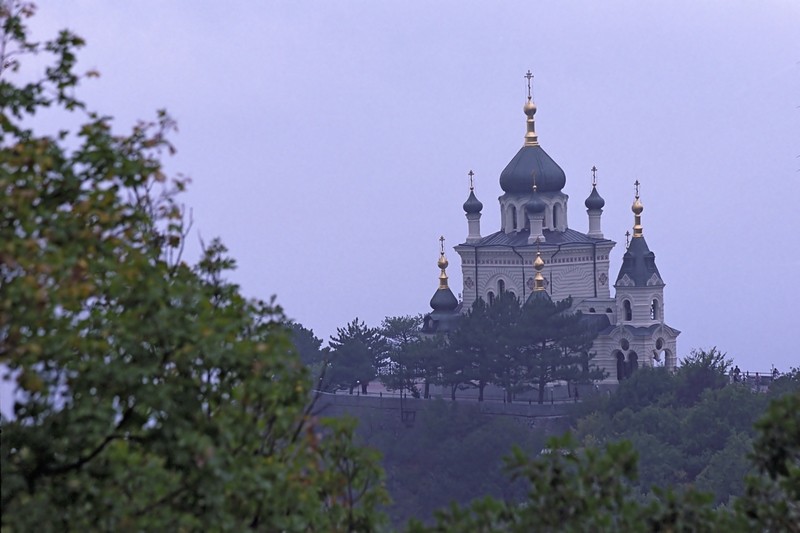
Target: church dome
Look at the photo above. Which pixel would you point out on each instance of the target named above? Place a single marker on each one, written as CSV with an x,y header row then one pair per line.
x,y
517,177
594,201
444,300
536,205
472,205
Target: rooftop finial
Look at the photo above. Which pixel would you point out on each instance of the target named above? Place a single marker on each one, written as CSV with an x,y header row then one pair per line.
x,y
529,77
538,265
442,264
627,239
531,139
471,174
594,176
637,209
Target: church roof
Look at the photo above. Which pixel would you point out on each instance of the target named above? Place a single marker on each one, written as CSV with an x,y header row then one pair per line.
x,y
596,321
638,266
444,300
594,201
518,175
520,238
643,331
472,205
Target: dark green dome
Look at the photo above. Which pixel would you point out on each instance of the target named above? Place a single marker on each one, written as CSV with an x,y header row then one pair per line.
x,y
594,201
472,205
444,300
536,205
517,177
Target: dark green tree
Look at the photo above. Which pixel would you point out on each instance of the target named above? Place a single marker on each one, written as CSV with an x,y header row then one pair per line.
x,y
469,360
402,335
358,354
554,345
701,370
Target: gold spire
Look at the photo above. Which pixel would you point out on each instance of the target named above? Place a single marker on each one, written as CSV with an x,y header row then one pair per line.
x,y
531,139
442,265
637,209
538,265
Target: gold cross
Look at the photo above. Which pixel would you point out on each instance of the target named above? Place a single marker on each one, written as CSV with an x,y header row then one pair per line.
x,y
636,184
627,238
441,241
594,175
529,77
471,184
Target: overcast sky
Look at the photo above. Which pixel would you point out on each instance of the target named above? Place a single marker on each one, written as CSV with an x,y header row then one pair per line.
x,y
329,142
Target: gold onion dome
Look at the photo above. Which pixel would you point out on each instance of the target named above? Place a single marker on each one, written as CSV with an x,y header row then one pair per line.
x,y
637,207
443,262
538,264
529,108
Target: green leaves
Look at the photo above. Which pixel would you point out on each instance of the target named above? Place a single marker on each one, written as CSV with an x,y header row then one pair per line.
x,y
151,394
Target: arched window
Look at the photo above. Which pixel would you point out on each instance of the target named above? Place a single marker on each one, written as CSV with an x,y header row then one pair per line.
x,y
501,286
628,311
513,212
654,310
633,362
512,294
621,367
556,215
591,309
490,297
609,310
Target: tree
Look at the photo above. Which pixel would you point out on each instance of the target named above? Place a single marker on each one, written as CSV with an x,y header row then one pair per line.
x,y
701,370
469,361
402,335
358,354
554,345
150,394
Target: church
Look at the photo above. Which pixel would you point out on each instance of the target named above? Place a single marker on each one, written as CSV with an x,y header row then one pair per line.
x,y
535,249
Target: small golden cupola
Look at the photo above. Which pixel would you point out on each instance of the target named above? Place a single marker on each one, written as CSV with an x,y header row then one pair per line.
x,y
443,299
637,209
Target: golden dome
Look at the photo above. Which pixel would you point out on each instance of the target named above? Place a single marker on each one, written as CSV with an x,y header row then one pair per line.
x,y
637,207
538,264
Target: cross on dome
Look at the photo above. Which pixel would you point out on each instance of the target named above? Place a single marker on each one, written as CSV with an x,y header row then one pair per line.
x,y
529,77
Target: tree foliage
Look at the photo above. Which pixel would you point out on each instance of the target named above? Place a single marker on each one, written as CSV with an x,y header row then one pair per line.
x,y
150,395
358,354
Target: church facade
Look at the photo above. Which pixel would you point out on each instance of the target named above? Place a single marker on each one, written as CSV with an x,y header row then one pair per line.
x,y
534,219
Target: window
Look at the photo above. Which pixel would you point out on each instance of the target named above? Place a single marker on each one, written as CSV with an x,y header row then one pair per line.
x,y
513,212
654,310
628,311
591,310
490,297
501,286
621,367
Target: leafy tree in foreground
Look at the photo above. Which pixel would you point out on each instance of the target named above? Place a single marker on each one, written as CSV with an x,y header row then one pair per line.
x,y
150,395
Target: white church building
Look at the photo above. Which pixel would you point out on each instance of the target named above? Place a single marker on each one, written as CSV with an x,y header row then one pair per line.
x,y
534,216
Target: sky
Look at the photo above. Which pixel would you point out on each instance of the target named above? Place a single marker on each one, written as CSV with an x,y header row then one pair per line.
x,y
328,143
